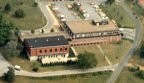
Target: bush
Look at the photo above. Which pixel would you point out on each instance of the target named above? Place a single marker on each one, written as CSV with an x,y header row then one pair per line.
x,y
86,60
32,31
140,74
9,76
132,69
19,13
35,4
35,67
7,7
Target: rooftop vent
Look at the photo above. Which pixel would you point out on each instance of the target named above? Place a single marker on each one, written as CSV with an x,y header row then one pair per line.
x,y
35,41
47,40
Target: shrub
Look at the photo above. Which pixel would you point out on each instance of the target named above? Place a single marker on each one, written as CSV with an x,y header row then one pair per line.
x,y
19,13
7,7
35,4
32,31
140,74
86,60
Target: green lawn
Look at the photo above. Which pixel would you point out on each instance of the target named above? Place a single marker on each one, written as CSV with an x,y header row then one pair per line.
x,y
117,13
87,78
34,17
138,9
128,77
115,52
94,49
28,65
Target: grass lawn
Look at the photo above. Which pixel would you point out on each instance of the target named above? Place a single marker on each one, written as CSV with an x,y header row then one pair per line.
x,y
128,77
117,13
33,19
138,9
27,65
115,52
94,49
87,78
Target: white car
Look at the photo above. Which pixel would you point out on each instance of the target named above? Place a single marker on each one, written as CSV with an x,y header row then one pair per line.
x,y
17,67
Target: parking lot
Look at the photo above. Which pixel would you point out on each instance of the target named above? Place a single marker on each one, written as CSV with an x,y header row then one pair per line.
x,y
87,6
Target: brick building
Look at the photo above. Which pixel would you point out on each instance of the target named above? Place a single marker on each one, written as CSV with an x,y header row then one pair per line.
x,y
85,32
47,49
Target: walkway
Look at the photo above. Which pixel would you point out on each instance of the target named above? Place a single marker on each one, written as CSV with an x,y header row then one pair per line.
x,y
106,58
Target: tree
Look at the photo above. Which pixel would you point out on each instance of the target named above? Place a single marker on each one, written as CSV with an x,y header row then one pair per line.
x,y
6,29
35,67
142,51
86,60
10,50
19,13
110,1
7,7
10,75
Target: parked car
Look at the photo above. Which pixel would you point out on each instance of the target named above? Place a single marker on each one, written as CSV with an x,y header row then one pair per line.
x,y
17,67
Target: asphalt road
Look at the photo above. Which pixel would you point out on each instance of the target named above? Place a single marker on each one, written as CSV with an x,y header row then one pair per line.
x,y
135,46
65,72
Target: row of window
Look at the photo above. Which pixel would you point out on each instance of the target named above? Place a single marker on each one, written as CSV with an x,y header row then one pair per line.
x,y
51,50
96,34
53,56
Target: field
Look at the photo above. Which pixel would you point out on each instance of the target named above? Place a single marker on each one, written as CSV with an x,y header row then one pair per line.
x,y
117,13
115,52
128,77
33,19
86,78
94,49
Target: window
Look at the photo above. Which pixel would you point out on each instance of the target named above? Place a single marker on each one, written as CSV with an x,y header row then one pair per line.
x,y
40,51
50,50
56,50
60,49
65,48
45,50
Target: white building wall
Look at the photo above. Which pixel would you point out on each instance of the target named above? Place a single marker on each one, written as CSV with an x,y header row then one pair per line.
x,y
33,58
53,59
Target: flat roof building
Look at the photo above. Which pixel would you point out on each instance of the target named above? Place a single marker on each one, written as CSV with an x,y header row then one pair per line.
x,y
47,49
87,26
82,32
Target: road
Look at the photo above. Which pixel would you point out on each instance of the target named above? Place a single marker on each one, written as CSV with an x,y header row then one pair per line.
x,y
135,46
65,72
4,65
